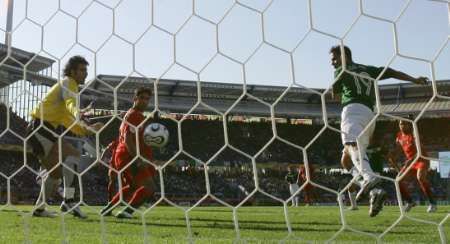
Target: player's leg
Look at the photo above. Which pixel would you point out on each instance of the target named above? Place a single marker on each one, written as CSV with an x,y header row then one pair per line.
x,y
126,179
352,197
44,147
355,117
370,179
291,191
71,157
128,187
309,194
145,189
403,184
422,173
295,199
347,164
112,177
377,199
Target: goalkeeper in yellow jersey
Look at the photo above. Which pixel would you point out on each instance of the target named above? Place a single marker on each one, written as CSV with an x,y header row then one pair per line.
x,y
57,112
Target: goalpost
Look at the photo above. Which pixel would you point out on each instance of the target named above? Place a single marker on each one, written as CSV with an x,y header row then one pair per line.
x,y
186,208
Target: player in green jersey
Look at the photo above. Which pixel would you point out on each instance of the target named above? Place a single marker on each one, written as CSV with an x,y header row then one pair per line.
x,y
354,84
291,179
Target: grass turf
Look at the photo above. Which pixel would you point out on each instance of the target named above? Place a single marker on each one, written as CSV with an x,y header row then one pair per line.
x,y
215,225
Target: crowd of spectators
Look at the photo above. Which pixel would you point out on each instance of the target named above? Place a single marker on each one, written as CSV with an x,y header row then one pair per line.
x,y
230,171
187,183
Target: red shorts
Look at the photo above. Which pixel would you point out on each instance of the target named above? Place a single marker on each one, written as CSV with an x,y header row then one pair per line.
x,y
133,173
308,187
420,164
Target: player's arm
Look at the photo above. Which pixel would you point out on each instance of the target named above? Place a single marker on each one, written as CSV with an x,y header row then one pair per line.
x,y
69,91
130,143
336,91
392,73
87,108
335,95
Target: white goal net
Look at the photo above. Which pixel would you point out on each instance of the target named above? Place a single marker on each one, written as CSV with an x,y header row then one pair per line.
x,y
244,88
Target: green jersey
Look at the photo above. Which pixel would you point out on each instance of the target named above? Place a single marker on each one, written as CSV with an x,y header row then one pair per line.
x,y
291,177
357,88
376,158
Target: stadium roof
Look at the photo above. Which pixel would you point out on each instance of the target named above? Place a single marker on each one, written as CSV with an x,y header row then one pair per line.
x,y
178,96
11,69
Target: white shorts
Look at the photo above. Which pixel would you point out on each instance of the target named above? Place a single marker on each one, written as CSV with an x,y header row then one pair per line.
x,y
293,188
354,119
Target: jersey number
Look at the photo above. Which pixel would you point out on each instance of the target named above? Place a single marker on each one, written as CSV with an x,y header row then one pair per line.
x,y
362,83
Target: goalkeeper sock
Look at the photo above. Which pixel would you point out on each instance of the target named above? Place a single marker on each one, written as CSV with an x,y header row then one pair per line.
x,y
47,188
68,177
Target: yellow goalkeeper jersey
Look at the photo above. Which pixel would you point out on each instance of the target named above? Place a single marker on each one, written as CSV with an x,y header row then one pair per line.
x,y
59,107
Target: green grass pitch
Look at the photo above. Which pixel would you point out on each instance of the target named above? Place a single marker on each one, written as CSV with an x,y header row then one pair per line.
x,y
165,224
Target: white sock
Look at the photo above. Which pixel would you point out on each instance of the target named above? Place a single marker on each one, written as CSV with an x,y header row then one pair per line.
x,y
47,188
352,198
362,165
68,176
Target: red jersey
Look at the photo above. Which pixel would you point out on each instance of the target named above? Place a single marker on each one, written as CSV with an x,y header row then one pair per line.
x,y
135,118
302,173
408,144
112,151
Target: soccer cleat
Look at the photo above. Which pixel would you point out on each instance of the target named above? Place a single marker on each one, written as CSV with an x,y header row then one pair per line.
x,y
352,208
44,213
431,208
408,206
66,206
377,198
366,186
107,210
124,215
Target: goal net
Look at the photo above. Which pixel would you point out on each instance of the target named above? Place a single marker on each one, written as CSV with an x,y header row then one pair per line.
x,y
255,135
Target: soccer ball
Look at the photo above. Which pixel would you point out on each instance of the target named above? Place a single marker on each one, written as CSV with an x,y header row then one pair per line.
x,y
156,135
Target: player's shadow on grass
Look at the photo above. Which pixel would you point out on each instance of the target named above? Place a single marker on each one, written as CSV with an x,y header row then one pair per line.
x,y
221,226
215,210
214,223
261,221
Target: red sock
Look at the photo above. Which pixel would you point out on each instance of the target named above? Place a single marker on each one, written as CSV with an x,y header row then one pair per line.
x,y
404,191
111,190
139,196
426,189
125,191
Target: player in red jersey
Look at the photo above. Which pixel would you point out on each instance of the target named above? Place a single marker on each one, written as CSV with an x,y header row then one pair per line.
x,y
137,175
406,142
109,153
308,189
